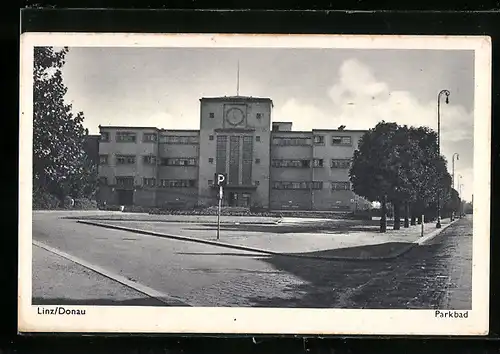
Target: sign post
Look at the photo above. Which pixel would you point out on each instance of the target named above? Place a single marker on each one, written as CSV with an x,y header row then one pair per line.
x,y
221,181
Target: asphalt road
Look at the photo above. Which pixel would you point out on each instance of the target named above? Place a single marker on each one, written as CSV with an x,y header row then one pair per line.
x,y
431,276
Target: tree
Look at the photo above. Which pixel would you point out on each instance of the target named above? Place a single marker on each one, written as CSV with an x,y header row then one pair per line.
x,y
375,169
59,161
401,165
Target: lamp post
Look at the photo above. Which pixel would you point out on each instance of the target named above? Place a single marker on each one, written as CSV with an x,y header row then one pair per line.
x,y
453,169
453,178
440,94
460,198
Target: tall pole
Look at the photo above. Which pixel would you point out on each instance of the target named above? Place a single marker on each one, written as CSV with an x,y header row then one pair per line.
x,y
218,211
460,194
238,80
447,93
453,178
453,169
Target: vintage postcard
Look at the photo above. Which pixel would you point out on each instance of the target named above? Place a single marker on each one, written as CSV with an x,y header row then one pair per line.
x,y
254,184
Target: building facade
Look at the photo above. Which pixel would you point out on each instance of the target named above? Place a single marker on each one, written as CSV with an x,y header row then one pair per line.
x,y
268,165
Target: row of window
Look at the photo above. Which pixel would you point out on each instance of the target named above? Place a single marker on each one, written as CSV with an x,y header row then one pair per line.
x,y
131,137
336,186
223,138
302,163
257,115
150,160
128,182
193,161
306,141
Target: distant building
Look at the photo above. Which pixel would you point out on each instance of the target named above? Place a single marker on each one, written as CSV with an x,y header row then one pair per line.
x,y
268,165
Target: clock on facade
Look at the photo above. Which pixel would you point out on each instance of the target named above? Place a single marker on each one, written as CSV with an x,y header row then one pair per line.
x,y
235,116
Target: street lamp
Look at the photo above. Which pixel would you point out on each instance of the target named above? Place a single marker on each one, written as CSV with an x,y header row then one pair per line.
x,y
440,94
460,198
453,179
453,169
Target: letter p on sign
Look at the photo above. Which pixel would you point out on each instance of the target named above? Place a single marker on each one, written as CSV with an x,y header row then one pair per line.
x,y
221,179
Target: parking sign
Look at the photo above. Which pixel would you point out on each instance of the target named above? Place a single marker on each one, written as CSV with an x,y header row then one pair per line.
x,y
221,179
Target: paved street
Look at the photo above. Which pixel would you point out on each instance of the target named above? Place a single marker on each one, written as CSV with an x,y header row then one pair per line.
x,y
434,275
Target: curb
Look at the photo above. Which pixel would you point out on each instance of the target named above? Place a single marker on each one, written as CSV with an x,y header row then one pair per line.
x,y
140,288
266,252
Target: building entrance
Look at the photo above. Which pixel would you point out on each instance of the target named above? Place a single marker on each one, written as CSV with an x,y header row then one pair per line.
x,y
238,199
125,197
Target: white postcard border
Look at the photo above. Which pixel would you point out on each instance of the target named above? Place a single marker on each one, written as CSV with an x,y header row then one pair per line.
x,y
263,320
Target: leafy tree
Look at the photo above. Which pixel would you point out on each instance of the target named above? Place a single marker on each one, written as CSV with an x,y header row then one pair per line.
x,y
375,172
59,161
400,165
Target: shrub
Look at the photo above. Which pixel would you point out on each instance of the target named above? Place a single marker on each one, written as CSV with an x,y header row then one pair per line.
x,y
45,201
85,204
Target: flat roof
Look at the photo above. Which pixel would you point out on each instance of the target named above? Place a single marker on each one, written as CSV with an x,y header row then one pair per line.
x,y
179,130
125,127
340,130
285,132
236,98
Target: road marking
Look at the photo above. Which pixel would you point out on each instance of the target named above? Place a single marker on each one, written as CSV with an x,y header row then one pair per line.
x,y
167,299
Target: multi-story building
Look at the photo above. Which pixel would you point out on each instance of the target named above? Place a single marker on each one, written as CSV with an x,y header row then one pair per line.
x,y
268,165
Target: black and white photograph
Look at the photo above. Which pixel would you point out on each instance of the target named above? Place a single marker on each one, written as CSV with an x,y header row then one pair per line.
x,y
254,184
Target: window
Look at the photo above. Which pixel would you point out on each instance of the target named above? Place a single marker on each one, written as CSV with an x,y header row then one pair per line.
x,y
319,140
125,159
103,159
210,137
341,140
125,137
291,163
318,163
179,161
103,181
211,115
258,115
297,185
179,140
149,182
317,185
291,141
125,182
177,183
210,160
210,182
341,186
257,138
149,160
340,163
257,161
104,137
149,137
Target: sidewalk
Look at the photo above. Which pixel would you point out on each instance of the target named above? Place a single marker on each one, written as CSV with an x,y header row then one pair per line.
x,y
330,243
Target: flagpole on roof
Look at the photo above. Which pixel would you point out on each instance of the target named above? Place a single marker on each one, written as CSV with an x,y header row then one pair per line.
x,y
238,80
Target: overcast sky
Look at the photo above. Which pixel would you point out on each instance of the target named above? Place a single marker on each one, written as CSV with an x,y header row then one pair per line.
x,y
313,88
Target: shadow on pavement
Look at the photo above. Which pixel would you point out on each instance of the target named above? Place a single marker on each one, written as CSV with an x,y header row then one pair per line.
x,y
390,284
248,255
97,302
388,249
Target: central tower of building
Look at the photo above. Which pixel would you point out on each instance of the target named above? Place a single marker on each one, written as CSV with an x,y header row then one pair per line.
x,y
235,138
